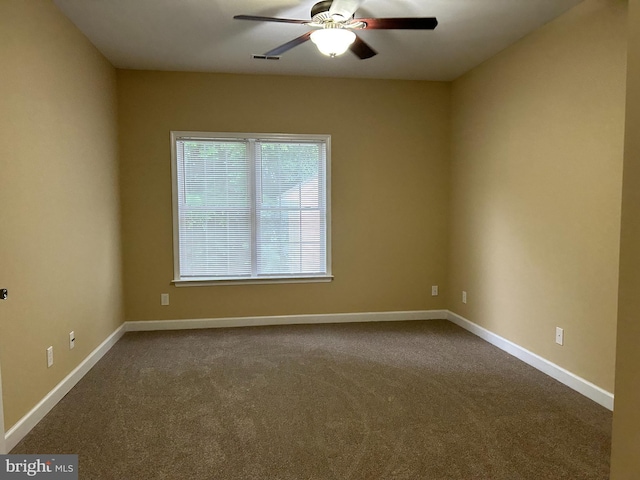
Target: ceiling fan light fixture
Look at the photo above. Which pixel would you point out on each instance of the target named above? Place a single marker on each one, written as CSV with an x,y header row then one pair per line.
x,y
333,41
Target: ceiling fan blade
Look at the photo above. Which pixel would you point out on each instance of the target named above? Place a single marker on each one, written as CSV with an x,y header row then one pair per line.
x,y
362,49
410,23
288,46
343,9
270,19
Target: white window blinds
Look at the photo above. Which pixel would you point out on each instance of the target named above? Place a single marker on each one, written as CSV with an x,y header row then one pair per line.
x,y
250,207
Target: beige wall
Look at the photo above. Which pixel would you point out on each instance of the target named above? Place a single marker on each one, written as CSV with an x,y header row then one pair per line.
x,y
389,187
626,418
535,194
59,215
536,164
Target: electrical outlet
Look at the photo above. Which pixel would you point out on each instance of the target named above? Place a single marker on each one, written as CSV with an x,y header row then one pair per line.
x,y
464,297
164,299
559,336
72,340
434,291
49,356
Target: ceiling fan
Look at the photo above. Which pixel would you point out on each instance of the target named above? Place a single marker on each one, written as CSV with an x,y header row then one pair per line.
x,y
333,22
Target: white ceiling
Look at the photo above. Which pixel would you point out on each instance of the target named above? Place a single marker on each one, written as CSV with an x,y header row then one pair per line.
x,y
201,35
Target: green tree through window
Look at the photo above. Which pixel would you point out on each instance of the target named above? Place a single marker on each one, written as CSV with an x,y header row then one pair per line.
x,y
250,208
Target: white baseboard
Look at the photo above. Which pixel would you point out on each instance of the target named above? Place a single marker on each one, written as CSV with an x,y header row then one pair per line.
x,y
37,413
31,419
150,325
564,376
3,447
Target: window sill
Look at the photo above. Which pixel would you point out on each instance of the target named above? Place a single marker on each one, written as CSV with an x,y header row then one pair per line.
x,y
250,281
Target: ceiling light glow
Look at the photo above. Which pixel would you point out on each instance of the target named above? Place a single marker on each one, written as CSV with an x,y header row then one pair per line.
x,y
333,41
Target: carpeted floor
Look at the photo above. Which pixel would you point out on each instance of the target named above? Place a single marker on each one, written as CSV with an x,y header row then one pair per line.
x,y
397,400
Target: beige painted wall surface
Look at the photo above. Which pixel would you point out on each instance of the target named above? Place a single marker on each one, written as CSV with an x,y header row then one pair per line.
x,y
625,461
537,142
389,187
59,234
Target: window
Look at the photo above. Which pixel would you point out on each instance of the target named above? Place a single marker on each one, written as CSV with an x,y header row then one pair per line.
x,y
250,207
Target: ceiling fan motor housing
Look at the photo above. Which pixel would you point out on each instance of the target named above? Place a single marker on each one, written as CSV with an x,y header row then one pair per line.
x,y
321,7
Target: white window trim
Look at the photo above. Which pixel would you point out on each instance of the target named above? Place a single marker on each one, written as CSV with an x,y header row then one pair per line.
x,y
177,281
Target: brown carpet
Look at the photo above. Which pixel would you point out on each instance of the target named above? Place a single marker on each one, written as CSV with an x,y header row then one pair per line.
x,y
399,400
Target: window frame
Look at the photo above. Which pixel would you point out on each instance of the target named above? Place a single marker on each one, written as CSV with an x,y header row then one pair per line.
x,y
298,278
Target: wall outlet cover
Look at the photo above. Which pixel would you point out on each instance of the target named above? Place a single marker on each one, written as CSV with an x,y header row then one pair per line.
x,y
49,356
